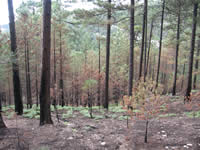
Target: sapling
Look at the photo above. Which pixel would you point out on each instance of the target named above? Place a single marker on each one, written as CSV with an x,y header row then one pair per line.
x,y
146,100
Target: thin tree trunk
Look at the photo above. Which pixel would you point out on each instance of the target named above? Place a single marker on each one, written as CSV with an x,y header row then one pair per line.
x,y
25,64
99,78
177,50
131,57
154,65
61,72
54,59
45,112
149,48
143,39
189,83
9,91
160,45
29,78
196,65
182,83
145,49
15,67
106,103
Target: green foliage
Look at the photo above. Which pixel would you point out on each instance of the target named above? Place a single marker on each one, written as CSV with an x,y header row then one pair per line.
x,y
168,115
85,113
117,109
34,112
114,116
194,114
98,117
10,115
124,117
69,114
89,84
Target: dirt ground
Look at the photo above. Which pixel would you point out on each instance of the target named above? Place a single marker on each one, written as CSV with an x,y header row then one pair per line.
x,y
177,132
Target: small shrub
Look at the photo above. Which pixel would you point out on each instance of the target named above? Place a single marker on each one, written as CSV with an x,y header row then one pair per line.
x,y
168,115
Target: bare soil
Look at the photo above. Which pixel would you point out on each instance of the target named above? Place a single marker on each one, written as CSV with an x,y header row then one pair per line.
x,y
82,133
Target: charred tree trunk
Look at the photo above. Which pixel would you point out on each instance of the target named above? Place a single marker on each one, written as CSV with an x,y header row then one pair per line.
x,y
143,39
177,50
15,67
182,83
196,65
9,91
145,49
149,46
160,44
106,102
131,57
2,124
45,112
189,83
29,78
61,73
54,67
99,78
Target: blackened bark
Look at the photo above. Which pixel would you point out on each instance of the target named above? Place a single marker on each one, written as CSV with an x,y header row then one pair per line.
x,y
2,124
61,73
143,39
131,57
189,82
196,64
45,112
29,79
54,70
177,50
99,77
145,49
15,67
106,102
160,43
182,83
149,46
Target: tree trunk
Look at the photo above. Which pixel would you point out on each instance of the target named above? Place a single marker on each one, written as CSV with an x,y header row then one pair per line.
x,y
54,70
146,132
2,124
196,64
149,48
106,103
177,50
15,67
9,91
26,72
145,49
29,78
45,112
189,83
131,57
182,83
160,44
61,73
99,78
143,39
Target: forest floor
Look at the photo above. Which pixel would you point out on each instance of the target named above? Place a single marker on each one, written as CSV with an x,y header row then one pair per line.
x,y
177,128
